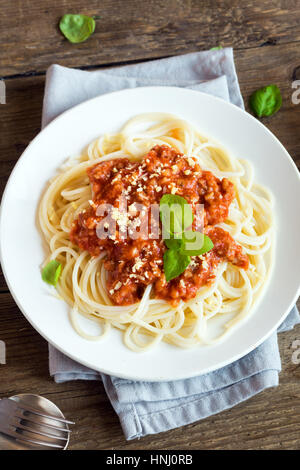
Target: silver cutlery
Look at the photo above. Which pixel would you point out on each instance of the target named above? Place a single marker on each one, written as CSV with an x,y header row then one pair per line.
x,y
32,422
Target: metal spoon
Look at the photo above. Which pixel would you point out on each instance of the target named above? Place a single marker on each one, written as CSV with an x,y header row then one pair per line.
x,y
32,422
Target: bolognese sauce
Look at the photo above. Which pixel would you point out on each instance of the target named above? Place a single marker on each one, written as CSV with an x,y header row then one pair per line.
x,y
135,262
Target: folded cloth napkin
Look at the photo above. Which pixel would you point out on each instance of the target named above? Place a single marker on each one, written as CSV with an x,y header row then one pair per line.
x,y
151,407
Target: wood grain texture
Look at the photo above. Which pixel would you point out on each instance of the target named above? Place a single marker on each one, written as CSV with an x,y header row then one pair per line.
x,y
131,31
135,30
268,421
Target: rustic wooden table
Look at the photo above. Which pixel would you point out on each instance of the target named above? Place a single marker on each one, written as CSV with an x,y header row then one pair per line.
x,y
265,35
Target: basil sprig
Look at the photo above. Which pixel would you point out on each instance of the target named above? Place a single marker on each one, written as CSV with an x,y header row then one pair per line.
x,y
51,272
77,28
175,263
266,101
176,216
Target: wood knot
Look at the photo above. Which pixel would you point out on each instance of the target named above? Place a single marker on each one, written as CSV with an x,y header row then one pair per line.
x,y
269,42
296,73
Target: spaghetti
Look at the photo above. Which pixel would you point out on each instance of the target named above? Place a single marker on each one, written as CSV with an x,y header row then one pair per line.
x,y
153,315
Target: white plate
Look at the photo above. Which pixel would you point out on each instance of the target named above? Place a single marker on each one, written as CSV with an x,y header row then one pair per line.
x,y
22,249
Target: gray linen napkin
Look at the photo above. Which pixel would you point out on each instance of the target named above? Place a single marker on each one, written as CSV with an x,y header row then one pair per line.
x,y
150,407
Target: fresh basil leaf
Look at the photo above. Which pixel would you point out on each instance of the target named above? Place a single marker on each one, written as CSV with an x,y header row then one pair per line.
x,y
77,28
217,48
266,101
175,263
175,213
195,243
173,243
51,272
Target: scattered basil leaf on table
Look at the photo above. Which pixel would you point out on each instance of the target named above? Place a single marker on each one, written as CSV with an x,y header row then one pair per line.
x,y
175,213
266,101
217,48
51,272
175,263
77,28
196,243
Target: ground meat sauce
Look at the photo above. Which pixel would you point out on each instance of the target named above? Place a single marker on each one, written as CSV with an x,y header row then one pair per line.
x,y
133,264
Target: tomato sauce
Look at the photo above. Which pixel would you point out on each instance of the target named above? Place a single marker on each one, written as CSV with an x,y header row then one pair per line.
x,y
134,263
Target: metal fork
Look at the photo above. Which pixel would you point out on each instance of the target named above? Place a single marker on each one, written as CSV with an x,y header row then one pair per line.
x,y
31,426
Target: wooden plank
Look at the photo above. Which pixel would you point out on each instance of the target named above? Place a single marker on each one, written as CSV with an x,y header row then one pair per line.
x,y
134,30
280,65
20,120
268,421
